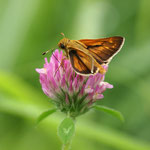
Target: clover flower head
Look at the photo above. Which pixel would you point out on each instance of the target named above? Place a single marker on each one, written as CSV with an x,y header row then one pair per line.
x,y
72,93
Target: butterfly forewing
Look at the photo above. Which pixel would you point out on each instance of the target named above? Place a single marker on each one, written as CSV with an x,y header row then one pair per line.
x,y
103,49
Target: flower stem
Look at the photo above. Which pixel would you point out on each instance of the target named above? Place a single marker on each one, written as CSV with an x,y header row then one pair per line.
x,y
66,146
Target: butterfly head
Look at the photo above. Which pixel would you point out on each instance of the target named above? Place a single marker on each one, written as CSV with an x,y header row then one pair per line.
x,y
63,43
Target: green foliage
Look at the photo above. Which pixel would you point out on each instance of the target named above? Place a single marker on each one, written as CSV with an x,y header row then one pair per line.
x,y
110,111
45,114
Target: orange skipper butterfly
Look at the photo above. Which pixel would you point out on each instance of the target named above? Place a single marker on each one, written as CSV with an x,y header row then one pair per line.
x,y
87,56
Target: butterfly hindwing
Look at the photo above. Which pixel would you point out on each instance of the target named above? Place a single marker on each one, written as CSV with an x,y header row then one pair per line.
x,y
81,62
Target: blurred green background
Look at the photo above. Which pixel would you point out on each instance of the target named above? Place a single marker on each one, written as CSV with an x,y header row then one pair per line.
x,y
29,27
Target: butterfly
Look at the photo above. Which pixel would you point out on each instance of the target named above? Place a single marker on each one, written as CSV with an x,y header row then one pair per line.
x,y
87,56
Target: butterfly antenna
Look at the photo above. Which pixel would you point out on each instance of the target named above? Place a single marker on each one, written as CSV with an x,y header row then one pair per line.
x,y
62,34
44,53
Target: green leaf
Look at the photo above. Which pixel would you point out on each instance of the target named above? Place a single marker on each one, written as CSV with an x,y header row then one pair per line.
x,y
66,130
111,111
45,114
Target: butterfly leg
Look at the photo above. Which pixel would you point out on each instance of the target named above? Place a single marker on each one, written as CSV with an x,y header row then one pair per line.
x,y
61,65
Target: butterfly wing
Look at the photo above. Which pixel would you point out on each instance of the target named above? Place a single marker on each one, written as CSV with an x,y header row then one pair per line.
x,y
82,63
103,49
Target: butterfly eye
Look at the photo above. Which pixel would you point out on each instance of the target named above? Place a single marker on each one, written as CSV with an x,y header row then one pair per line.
x,y
62,46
